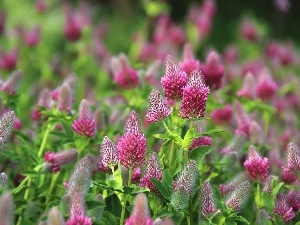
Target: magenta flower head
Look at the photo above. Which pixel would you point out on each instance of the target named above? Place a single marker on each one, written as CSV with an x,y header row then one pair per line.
x,y
293,199
227,189
9,60
32,37
152,170
73,26
124,74
132,145
54,161
6,208
188,178
11,84
288,176
257,167
193,104
213,70
77,211
200,141
158,110
249,31
65,103
208,206
85,124
248,89
222,115
239,196
44,101
243,120
140,214
189,63
256,136
292,157
7,121
108,153
282,209
174,80
184,186
266,87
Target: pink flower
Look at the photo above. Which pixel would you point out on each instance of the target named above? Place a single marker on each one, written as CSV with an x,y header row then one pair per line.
x,y
140,214
266,87
239,196
188,178
108,153
79,219
193,104
244,121
248,89
207,199
227,189
73,26
32,37
189,63
136,175
230,54
9,60
288,177
85,124
174,80
158,110
44,102
124,75
152,170
204,140
267,184
6,208
40,6
132,145
213,70
222,115
282,209
11,84
65,103
256,166
249,31
292,157
293,199
131,149
7,121
54,161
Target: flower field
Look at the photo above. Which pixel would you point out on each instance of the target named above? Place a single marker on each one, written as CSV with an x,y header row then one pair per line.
x,y
121,113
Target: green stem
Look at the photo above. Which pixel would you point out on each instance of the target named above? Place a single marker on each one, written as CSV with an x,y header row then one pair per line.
x,y
123,213
257,196
171,153
52,185
189,221
40,153
130,176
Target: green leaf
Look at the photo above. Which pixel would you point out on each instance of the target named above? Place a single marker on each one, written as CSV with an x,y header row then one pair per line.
x,y
59,134
18,189
209,133
40,180
162,136
67,128
95,204
165,213
167,180
31,173
199,153
292,187
53,203
162,188
46,194
239,218
268,201
277,188
188,138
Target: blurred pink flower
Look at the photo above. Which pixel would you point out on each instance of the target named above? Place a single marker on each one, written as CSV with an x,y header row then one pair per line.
x,y
282,209
54,161
189,63
222,115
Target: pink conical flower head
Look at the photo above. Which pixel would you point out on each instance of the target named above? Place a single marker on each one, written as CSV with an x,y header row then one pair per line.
x,y
158,110
193,104
152,170
227,189
256,166
56,160
7,121
200,141
108,153
189,63
207,199
282,209
11,84
85,124
222,115
73,26
266,87
65,98
174,80
188,178
213,70
248,89
292,157
140,214
293,199
133,123
243,120
6,208
239,196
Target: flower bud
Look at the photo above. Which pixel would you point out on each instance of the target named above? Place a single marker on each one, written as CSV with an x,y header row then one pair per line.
x,y
11,84
55,217
6,208
7,121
